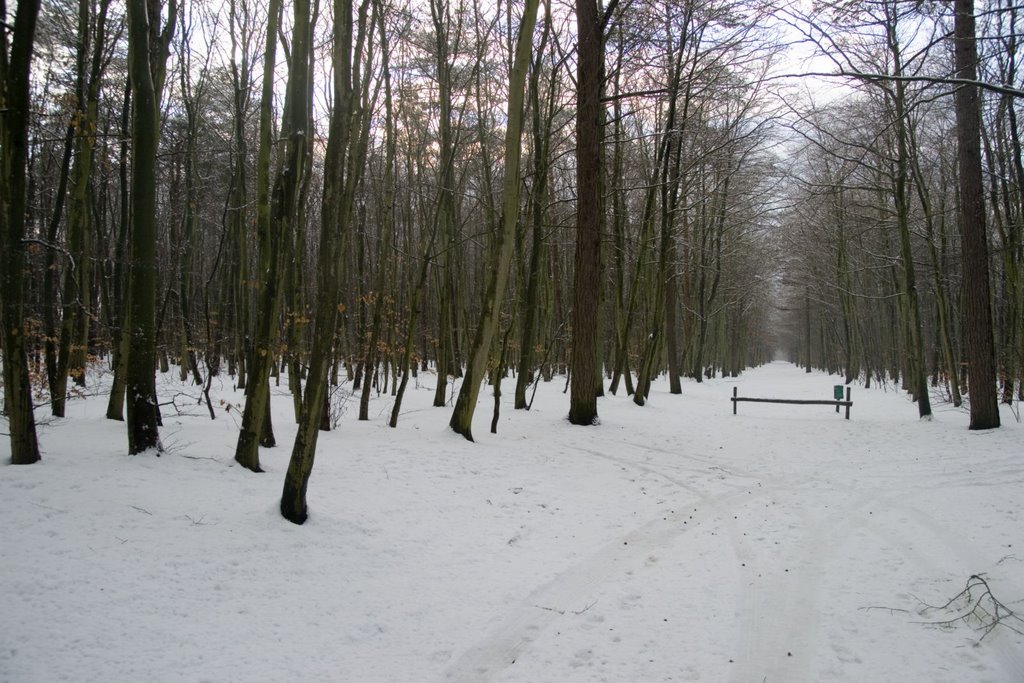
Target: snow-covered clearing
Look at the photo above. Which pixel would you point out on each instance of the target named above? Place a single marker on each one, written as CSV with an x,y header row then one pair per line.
x,y
673,542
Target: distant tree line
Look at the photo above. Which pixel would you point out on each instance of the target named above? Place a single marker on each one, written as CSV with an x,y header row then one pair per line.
x,y
904,256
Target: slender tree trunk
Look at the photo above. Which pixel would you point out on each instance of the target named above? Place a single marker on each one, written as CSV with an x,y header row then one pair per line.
x,y
407,362
386,222
618,193
462,417
192,101
445,212
945,347
81,222
56,382
667,171
273,216
531,304
916,371
807,329
344,163
119,335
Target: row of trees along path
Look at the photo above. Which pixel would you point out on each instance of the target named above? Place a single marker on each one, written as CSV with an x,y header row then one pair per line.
x,y
363,190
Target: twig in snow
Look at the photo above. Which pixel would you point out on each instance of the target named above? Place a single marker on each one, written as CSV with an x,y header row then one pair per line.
x,y
136,507
976,607
173,402
550,609
585,609
562,611
196,522
890,610
47,507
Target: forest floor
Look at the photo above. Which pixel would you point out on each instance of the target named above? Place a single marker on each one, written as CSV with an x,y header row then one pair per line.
x,y
673,542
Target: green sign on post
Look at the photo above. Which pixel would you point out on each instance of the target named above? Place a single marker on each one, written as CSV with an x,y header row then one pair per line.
x,y
837,392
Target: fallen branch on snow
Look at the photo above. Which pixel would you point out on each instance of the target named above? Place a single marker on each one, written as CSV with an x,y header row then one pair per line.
x,y
976,607
563,612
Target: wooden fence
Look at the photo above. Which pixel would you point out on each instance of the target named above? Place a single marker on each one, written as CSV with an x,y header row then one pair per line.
x,y
793,401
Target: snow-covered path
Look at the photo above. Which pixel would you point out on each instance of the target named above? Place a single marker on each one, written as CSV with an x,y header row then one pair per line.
x,y
672,542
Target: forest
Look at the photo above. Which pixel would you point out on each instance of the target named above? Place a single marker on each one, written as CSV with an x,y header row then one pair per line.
x,y
339,196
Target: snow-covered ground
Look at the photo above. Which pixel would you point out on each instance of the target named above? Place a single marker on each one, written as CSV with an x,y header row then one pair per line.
x,y
673,542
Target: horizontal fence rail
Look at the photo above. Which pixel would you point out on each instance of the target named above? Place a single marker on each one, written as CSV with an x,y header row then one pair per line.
x,y
794,401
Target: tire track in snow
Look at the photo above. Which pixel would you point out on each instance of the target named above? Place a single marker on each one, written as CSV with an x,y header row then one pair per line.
x,y
777,610
570,589
781,611
712,464
787,603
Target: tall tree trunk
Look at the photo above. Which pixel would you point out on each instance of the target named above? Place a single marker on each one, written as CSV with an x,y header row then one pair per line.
x,y
586,287
146,59
981,367
445,211
15,67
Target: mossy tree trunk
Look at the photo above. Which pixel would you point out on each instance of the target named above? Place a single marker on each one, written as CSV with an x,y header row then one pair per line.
x,y
497,278
345,160
147,55
273,220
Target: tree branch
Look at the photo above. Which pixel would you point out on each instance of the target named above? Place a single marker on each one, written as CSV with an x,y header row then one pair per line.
x,y
935,80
